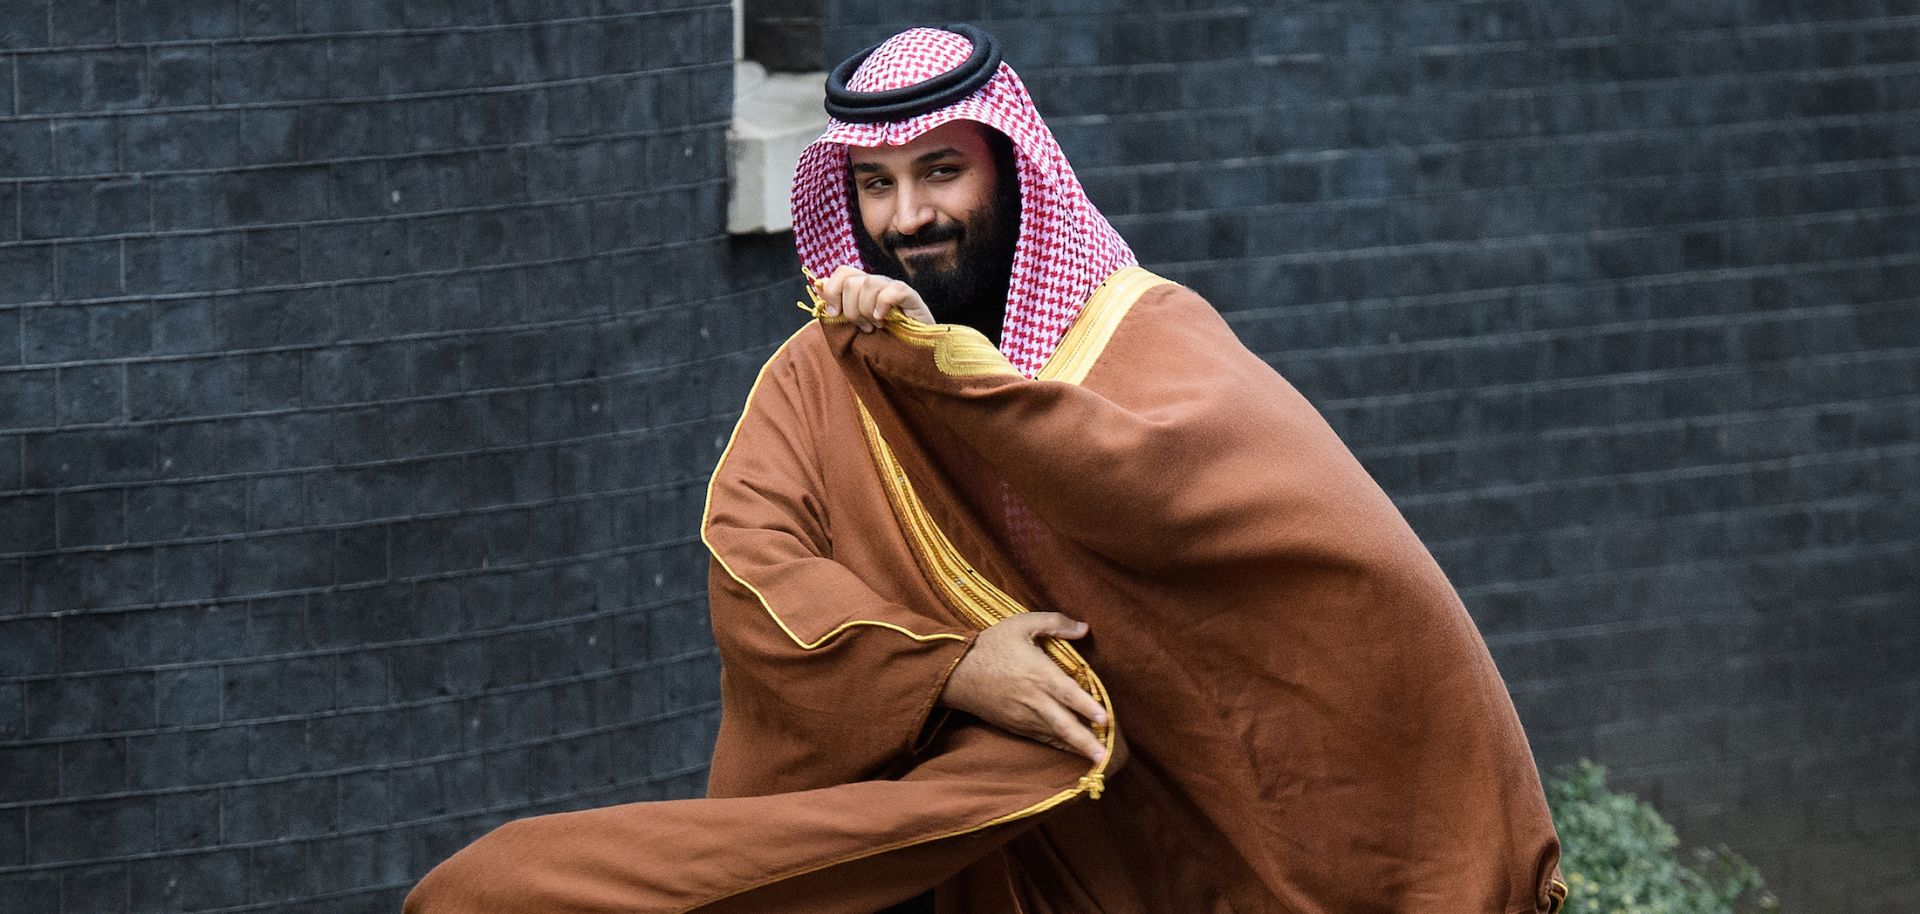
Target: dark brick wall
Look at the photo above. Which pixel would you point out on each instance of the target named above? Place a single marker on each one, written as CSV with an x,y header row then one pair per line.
x,y
361,367
361,364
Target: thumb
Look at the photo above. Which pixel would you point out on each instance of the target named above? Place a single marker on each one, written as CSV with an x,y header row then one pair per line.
x,y
1057,625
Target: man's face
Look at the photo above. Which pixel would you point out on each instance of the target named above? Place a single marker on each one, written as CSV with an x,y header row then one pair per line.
x,y
938,214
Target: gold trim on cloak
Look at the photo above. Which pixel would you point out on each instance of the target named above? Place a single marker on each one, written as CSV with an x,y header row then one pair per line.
x,y
963,352
1094,327
983,603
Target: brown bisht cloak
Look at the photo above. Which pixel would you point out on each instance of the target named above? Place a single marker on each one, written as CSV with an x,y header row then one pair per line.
x,y
1313,724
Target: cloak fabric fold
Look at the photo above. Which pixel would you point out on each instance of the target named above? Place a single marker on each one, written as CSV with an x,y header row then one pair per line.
x,y
1313,725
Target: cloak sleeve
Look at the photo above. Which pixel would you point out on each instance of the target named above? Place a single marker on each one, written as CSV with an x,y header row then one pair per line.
x,y
826,680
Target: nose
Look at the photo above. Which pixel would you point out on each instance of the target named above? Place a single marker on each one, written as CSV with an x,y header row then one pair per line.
x,y
912,211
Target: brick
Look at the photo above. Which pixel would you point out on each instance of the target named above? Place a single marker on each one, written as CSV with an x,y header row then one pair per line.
x,y
91,394
269,564
187,821
357,373
157,513
354,251
115,80
184,573
24,25
260,444
94,517
180,77
277,688
13,716
188,758
29,646
51,83
188,263
275,502
33,395
89,270
77,831
95,888
85,146
10,342
67,209
294,318
29,523
269,136
87,456
282,873
186,882
75,333
187,697
278,626
13,838
93,766
94,704
275,72
183,326
275,750
35,773
30,274
270,257
178,141
175,389
273,381
360,555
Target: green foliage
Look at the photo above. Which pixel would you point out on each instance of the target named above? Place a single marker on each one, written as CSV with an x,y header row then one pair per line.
x,y
1620,857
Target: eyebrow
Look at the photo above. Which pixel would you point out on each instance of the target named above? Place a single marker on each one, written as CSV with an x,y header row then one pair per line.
x,y
934,156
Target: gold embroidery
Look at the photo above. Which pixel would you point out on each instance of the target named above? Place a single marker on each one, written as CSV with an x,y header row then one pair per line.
x,y
1093,329
963,352
983,603
958,350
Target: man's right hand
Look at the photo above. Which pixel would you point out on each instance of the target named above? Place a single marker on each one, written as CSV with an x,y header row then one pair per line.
x,y
865,298
1007,680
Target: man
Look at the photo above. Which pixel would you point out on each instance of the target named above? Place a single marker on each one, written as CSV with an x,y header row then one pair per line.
x,y
951,561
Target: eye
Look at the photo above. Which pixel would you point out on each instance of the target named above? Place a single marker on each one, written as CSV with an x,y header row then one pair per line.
x,y
876,185
939,172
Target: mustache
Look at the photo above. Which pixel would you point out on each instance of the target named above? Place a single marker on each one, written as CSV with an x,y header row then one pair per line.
x,y
934,233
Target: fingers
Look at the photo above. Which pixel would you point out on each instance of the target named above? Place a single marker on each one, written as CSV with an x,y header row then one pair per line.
x,y
842,293
1069,694
1069,733
833,288
850,292
895,295
865,299
1008,680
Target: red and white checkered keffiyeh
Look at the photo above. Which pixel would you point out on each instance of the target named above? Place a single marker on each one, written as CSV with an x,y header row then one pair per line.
x,y
1065,247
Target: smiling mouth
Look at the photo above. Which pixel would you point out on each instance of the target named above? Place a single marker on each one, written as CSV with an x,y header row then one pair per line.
x,y
922,250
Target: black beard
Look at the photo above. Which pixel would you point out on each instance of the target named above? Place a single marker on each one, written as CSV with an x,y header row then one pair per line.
x,y
974,291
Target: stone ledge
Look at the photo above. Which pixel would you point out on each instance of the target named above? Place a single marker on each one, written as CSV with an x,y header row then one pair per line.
x,y
775,116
